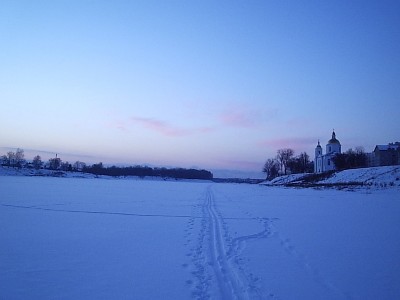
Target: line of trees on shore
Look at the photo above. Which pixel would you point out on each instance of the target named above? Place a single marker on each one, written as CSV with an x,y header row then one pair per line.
x,y
351,159
17,160
285,161
143,171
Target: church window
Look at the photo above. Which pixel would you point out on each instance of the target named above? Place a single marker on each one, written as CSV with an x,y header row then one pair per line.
x,y
329,162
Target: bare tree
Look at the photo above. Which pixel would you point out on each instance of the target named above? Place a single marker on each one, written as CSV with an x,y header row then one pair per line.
x,y
270,168
304,160
54,163
360,150
10,159
66,166
37,162
4,160
299,164
19,157
284,156
78,166
350,159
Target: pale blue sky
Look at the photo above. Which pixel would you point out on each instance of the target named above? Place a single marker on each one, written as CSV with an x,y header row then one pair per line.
x,y
212,84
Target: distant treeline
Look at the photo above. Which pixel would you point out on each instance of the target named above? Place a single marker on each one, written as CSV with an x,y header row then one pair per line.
x,y
143,171
17,160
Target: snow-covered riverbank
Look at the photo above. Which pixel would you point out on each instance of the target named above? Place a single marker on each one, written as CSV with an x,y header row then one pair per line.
x,y
376,177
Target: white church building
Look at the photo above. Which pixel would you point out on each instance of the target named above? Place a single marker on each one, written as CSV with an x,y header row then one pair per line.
x,y
324,162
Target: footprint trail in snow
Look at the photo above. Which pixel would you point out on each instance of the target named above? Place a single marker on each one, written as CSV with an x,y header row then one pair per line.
x,y
215,257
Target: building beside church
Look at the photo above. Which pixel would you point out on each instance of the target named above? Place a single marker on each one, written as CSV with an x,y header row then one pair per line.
x,y
324,162
385,155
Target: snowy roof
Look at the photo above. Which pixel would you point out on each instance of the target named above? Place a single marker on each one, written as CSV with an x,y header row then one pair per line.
x,y
387,147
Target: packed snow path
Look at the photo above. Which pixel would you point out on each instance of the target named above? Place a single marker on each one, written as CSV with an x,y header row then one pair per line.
x,y
218,272
230,285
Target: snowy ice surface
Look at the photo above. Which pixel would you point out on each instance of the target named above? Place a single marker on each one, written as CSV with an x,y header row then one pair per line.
x,y
71,238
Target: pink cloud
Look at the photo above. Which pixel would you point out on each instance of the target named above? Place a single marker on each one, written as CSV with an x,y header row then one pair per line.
x,y
237,118
205,129
246,117
117,124
159,126
167,129
121,126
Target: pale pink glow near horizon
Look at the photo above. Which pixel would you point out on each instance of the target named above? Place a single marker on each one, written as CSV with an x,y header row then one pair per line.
x,y
159,126
167,129
238,119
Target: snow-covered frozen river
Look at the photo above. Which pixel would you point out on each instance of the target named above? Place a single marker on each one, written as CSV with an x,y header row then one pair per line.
x,y
69,238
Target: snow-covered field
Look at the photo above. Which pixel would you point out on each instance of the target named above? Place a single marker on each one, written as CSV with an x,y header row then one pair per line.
x,y
71,238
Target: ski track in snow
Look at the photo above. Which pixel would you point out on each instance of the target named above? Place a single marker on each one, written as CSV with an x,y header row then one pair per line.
x,y
230,285
218,272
